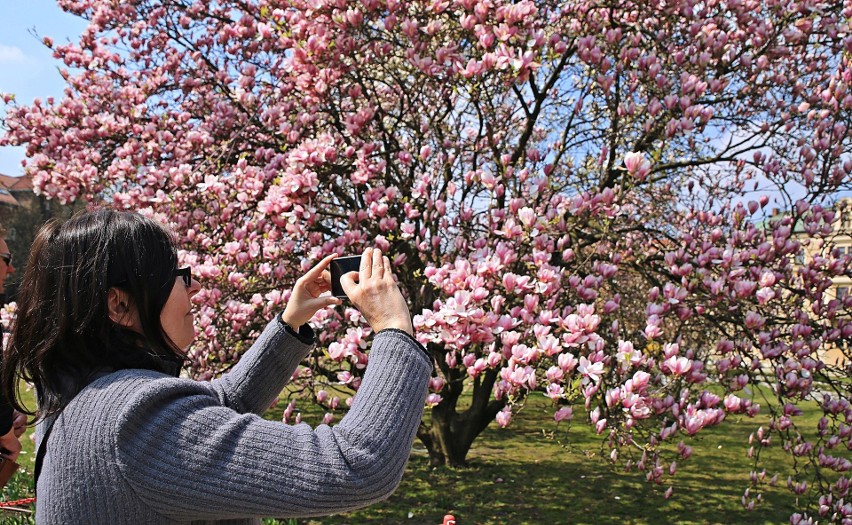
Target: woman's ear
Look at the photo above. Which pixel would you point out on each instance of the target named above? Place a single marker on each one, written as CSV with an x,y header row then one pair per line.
x,y
121,310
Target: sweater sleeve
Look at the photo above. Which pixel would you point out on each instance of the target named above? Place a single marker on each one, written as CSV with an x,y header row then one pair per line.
x,y
189,458
255,382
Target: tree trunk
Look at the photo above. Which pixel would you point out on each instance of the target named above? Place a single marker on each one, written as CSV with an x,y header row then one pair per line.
x,y
451,434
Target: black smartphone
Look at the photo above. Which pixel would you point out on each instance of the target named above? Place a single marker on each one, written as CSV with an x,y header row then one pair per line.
x,y
339,267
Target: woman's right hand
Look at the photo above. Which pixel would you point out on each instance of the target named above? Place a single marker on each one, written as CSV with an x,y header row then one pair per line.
x,y
375,294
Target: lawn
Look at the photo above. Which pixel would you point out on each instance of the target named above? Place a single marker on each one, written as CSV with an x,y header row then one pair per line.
x,y
535,472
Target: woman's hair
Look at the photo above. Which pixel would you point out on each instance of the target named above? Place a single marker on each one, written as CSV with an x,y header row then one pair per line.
x,y
63,337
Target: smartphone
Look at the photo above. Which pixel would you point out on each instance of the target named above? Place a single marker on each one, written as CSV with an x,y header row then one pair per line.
x,y
339,267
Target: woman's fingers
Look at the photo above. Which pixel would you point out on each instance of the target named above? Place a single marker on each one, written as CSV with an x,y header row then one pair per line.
x,y
320,285
318,303
378,265
307,296
319,270
19,423
318,279
348,281
388,269
374,267
330,300
366,269
377,297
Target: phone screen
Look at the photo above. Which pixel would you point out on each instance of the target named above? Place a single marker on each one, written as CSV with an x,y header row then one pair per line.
x,y
339,267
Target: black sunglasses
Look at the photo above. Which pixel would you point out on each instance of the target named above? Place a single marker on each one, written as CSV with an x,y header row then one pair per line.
x,y
6,257
186,274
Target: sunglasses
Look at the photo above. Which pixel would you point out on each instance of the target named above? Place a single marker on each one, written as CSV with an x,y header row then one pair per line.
x,y
7,257
186,274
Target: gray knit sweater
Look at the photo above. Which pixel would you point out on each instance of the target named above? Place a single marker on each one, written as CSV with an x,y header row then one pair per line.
x,y
141,447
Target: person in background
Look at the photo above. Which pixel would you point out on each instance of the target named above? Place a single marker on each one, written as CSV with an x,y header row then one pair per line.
x,y
6,268
104,322
12,423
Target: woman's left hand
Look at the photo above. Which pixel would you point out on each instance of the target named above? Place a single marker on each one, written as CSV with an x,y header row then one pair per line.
x,y
307,297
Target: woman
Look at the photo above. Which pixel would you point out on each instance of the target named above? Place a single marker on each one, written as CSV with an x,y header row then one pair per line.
x,y
104,321
12,424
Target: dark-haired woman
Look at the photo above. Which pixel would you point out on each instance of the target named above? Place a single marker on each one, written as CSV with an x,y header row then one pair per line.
x,y
12,423
104,321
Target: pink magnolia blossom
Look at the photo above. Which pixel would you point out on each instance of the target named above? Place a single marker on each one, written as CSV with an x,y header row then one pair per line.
x,y
637,165
677,366
567,362
754,320
590,371
433,399
436,384
504,417
563,414
554,391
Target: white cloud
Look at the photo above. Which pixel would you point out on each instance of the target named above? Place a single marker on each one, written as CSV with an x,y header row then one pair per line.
x,y
11,55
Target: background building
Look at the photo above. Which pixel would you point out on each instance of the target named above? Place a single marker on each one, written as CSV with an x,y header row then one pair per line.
x,y
22,213
838,244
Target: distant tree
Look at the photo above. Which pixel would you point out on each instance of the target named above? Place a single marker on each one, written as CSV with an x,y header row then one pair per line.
x,y
573,195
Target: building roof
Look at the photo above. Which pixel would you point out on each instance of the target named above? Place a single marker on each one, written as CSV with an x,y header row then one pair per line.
x,y
6,198
23,183
10,185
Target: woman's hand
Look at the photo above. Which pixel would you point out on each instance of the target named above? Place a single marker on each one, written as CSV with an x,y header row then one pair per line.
x,y
375,293
10,444
19,423
307,297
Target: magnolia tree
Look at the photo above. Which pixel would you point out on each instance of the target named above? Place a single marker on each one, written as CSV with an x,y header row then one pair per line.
x,y
575,196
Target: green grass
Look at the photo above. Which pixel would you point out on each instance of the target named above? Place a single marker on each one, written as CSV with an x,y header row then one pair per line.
x,y
526,475
535,472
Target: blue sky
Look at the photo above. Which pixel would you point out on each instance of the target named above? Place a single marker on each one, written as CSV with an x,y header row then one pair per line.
x,y
27,68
